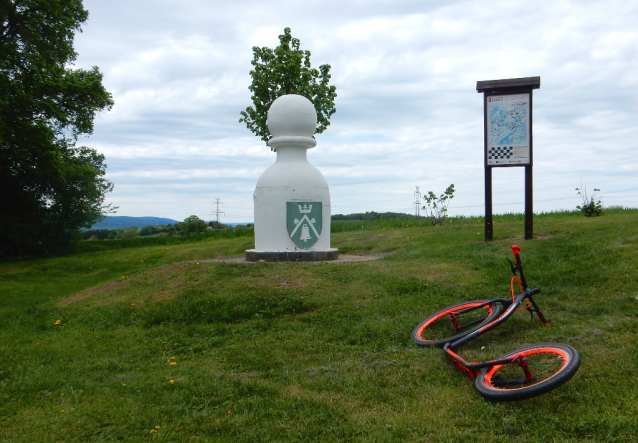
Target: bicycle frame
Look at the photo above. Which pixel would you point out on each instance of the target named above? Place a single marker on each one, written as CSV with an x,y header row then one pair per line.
x,y
509,307
520,374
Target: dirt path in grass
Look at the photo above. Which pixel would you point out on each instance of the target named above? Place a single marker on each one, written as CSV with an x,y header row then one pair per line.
x,y
343,258
115,285
111,286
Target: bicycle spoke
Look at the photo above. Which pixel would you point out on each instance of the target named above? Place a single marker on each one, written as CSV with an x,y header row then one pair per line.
x,y
540,366
454,322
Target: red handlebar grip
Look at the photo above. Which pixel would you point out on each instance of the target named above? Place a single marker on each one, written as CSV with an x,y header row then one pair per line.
x,y
516,251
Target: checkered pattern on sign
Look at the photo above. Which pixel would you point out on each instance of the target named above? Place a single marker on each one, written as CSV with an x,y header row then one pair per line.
x,y
499,152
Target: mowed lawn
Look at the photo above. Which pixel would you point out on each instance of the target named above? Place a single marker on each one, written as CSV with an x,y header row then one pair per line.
x,y
153,343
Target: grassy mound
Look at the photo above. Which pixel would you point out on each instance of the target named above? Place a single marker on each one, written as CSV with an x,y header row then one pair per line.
x,y
146,342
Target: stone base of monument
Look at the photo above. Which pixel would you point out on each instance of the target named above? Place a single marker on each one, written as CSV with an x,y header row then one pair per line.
x,y
274,256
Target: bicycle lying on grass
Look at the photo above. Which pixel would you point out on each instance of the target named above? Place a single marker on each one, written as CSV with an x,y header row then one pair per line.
x,y
524,373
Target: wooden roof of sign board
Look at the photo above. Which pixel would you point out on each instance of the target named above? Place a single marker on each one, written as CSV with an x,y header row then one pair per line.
x,y
509,83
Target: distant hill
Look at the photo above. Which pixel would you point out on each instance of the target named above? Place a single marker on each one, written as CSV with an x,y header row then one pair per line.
x,y
372,215
123,222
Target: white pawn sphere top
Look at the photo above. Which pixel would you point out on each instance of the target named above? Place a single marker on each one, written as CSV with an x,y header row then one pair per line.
x,y
292,115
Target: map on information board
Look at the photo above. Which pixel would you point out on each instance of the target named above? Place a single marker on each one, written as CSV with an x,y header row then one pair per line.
x,y
508,129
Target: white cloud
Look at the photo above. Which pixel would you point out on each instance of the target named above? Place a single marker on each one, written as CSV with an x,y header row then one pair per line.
x,y
407,110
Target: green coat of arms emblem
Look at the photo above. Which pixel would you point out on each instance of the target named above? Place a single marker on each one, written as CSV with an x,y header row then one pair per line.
x,y
304,222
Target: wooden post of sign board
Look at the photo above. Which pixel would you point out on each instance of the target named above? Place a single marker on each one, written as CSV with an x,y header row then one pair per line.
x,y
508,141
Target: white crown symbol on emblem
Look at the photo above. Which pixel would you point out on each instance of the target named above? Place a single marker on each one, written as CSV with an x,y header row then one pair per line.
x,y
305,209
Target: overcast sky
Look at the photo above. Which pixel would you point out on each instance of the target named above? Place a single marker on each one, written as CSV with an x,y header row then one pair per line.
x,y
408,113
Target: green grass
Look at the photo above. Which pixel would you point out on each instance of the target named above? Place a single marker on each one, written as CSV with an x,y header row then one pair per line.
x,y
316,352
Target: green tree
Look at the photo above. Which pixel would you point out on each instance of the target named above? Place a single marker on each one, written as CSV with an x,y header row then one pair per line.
x,y
216,225
148,230
286,70
49,188
193,224
129,232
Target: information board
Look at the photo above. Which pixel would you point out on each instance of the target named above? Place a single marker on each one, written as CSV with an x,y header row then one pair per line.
x,y
508,130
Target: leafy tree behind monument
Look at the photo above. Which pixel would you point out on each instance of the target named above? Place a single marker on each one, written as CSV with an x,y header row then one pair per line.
x,y
287,70
49,187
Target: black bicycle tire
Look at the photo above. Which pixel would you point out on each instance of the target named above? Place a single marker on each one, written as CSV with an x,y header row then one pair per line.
x,y
417,332
570,364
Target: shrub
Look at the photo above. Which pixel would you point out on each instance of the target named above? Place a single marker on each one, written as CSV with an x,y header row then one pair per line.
x,y
437,206
592,206
99,234
129,233
148,230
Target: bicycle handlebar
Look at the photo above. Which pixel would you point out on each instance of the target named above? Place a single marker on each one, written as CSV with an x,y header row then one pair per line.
x,y
517,258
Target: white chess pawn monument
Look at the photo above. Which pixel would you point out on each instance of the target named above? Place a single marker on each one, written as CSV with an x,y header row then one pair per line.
x,y
292,199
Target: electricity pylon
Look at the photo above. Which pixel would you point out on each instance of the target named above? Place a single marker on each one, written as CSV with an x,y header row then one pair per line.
x,y
217,212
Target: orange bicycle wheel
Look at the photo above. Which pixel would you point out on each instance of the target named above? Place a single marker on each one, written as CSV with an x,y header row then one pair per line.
x,y
449,324
536,370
